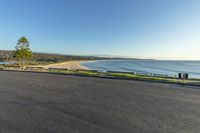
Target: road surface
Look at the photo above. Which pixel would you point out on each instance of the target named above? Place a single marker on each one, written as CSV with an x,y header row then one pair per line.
x,y
50,103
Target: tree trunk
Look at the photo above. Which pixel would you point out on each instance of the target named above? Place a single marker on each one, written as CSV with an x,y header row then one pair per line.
x,y
23,62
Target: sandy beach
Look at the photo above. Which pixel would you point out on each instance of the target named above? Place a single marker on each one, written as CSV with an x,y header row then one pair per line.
x,y
71,65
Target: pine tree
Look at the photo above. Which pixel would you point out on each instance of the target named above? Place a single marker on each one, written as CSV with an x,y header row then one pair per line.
x,y
23,51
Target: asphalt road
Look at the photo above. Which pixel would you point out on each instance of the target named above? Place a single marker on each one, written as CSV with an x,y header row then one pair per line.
x,y
50,103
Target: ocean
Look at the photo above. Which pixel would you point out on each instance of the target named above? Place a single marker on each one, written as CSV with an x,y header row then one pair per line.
x,y
2,63
159,67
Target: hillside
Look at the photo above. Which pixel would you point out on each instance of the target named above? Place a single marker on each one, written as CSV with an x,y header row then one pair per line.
x,y
8,55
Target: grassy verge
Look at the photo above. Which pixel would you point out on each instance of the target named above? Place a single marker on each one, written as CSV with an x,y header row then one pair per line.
x,y
117,75
127,76
153,78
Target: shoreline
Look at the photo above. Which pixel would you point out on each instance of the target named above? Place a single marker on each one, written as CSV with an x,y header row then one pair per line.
x,y
71,65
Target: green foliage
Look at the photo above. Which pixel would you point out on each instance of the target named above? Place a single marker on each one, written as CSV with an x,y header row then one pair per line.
x,y
23,43
23,51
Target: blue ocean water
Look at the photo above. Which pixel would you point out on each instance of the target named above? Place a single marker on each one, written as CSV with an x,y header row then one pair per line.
x,y
169,68
2,63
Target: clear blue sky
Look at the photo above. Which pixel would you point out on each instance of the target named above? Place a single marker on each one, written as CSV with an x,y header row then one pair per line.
x,y
160,29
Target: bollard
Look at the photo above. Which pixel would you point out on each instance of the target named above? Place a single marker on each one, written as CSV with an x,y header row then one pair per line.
x,y
180,75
